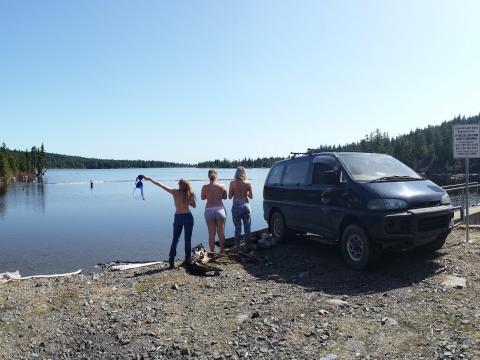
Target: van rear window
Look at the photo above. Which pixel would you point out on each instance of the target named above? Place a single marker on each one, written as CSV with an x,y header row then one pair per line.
x,y
296,173
275,176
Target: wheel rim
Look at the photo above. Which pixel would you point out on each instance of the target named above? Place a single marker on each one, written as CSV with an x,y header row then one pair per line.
x,y
355,247
277,226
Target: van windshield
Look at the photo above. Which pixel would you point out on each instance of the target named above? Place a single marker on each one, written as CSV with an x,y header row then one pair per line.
x,y
376,168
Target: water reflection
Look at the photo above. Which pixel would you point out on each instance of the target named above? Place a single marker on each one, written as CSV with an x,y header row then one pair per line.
x,y
30,196
64,225
3,207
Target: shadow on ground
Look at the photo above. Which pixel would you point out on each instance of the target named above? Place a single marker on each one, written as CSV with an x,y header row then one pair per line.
x,y
319,267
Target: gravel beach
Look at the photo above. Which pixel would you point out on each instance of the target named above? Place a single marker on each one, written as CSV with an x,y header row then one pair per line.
x,y
297,300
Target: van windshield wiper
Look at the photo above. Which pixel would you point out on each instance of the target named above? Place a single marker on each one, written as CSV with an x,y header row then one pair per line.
x,y
397,178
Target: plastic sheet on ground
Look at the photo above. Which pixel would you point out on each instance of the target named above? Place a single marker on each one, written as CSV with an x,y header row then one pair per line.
x,y
15,276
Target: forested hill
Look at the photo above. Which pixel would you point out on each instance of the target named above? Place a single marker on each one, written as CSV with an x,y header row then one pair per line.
x,y
17,163
246,162
427,150
57,161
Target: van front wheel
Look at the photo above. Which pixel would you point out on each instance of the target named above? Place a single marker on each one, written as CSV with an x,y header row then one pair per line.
x,y
357,249
278,227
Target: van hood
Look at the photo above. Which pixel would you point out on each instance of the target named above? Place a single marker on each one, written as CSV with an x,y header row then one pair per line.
x,y
414,192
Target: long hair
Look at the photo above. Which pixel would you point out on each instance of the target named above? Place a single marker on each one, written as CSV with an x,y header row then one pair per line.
x,y
212,174
240,174
186,189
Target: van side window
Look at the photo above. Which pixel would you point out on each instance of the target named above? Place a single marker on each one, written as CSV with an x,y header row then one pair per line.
x,y
319,170
275,176
296,173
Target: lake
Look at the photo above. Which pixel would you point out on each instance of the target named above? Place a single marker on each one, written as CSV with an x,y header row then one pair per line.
x,y
63,225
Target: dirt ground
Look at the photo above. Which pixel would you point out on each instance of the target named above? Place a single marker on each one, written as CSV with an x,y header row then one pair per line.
x,y
296,301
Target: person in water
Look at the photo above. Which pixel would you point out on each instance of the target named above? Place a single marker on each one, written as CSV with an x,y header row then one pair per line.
x,y
215,214
183,198
241,191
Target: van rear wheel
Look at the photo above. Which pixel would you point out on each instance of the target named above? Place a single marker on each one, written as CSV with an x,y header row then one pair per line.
x,y
278,227
357,249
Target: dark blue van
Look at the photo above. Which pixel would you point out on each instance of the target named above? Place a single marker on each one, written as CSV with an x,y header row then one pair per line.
x,y
366,202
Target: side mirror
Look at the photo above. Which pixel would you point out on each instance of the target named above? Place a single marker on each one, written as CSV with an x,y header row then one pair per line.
x,y
331,177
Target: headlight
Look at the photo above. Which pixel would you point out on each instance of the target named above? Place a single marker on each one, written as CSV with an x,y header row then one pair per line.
x,y
387,204
445,200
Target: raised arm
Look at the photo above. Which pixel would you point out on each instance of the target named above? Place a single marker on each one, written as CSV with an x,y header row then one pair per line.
x,y
231,190
164,187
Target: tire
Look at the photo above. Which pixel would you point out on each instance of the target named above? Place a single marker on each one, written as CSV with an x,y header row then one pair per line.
x,y
278,227
435,245
358,251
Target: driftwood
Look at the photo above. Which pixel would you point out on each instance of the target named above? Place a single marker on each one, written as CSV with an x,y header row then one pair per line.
x,y
15,276
122,267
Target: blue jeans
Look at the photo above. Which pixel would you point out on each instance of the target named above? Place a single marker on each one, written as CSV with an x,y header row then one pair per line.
x,y
182,221
241,213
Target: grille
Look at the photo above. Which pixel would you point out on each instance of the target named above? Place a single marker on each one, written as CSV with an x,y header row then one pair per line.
x,y
434,222
425,204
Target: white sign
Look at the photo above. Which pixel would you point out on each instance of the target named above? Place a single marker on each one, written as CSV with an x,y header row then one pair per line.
x,y
466,141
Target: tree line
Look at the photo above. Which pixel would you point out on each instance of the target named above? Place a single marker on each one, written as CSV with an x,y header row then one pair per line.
x,y
265,162
428,150
57,161
16,163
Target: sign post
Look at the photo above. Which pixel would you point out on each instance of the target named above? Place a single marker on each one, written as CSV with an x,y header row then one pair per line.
x,y
466,145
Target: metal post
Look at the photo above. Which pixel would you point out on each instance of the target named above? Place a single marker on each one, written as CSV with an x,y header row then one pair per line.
x,y
476,198
467,217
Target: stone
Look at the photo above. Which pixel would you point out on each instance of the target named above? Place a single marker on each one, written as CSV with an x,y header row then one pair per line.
x,y
454,282
241,318
329,357
255,315
389,321
175,287
337,302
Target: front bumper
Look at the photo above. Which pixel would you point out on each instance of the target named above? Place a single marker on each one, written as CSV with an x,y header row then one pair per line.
x,y
412,228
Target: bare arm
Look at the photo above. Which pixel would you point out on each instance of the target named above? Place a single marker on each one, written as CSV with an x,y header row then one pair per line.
x,y
224,192
231,191
250,191
166,188
193,201
203,194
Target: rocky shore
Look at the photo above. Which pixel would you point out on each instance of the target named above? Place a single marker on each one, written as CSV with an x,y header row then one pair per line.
x,y
294,301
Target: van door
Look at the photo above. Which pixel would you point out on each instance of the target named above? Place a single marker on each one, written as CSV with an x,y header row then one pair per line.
x,y
295,180
325,197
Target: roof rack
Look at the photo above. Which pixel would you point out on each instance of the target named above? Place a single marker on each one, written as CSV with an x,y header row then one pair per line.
x,y
309,152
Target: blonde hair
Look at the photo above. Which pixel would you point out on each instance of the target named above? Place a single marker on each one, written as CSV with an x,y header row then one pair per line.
x,y
240,174
186,189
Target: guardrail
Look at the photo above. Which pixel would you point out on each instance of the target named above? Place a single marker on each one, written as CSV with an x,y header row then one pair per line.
x,y
457,193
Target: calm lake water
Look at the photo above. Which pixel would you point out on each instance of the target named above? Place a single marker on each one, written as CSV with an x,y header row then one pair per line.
x,y
63,225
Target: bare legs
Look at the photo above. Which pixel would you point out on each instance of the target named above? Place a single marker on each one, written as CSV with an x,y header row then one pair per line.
x,y
221,235
216,227
212,228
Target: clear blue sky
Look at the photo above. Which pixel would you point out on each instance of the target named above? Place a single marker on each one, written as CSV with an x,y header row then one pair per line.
x,y
197,80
